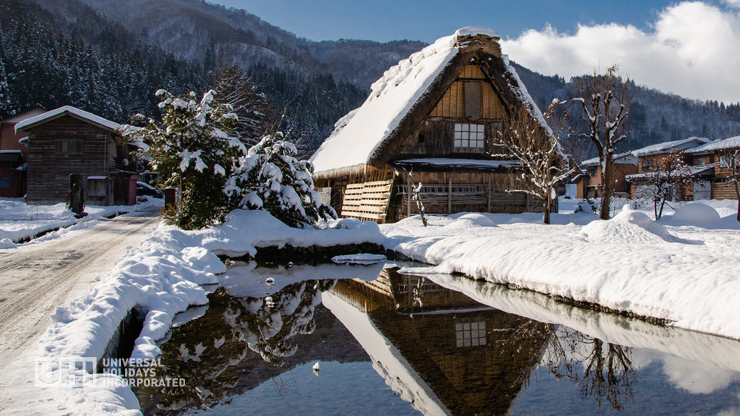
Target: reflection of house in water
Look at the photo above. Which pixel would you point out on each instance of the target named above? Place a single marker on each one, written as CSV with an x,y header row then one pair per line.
x,y
475,360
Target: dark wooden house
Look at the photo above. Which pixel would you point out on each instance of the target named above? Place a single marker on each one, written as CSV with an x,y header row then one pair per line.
x,y
69,141
433,118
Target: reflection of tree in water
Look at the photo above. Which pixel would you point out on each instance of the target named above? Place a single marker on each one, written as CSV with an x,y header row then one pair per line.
x,y
234,326
603,370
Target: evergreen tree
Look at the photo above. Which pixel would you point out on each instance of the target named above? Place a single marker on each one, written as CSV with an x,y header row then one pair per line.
x,y
191,149
271,178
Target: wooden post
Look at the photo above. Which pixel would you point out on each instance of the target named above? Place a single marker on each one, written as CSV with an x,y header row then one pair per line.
x,y
449,196
408,196
490,175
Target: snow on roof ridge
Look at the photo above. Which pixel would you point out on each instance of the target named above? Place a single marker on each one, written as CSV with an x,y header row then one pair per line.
x,y
721,144
67,109
666,146
617,159
477,30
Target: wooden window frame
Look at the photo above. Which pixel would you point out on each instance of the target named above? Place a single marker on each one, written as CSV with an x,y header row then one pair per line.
x,y
469,137
70,147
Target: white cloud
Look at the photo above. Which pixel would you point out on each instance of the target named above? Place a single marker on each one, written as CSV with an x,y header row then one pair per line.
x,y
692,50
733,3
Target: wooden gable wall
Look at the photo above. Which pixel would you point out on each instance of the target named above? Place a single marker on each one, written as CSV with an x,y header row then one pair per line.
x,y
470,99
470,81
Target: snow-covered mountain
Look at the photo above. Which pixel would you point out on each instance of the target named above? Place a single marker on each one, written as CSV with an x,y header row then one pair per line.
x,y
109,56
198,31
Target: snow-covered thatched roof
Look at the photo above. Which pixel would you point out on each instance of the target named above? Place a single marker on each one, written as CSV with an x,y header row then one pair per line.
x,y
71,111
393,105
729,143
668,147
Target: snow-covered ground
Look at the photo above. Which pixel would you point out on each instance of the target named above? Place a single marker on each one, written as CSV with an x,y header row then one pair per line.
x,y
19,221
681,268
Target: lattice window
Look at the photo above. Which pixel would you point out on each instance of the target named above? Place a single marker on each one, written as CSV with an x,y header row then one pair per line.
x,y
469,137
470,334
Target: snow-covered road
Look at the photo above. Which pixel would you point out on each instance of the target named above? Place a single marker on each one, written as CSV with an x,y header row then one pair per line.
x,y
34,279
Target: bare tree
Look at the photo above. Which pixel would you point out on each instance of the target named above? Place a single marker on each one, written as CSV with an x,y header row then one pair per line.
x,y
235,88
667,179
604,105
603,370
538,150
729,162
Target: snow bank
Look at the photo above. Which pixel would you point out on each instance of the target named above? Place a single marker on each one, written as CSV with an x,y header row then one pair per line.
x,y
696,213
244,231
627,227
686,275
19,221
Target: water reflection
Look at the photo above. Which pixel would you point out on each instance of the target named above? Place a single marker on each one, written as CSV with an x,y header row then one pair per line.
x,y
210,352
443,344
602,370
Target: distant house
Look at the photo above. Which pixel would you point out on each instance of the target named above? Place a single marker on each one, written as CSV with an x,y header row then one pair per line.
x,y
650,160
588,184
715,173
13,155
431,119
69,141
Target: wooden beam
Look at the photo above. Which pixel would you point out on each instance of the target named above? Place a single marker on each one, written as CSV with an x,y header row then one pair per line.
x,y
489,192
449,196
408,196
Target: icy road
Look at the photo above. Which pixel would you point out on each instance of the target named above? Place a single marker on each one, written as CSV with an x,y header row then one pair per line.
x,y
36,278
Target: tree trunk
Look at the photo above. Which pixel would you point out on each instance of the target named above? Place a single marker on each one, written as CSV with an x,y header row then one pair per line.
x,y
737,192
607,186
548,207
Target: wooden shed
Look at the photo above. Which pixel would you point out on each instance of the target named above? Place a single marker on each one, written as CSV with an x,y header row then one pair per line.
x,y
431,119
69,141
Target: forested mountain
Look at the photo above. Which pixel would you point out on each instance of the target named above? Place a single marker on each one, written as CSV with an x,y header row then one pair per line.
x,y
110,56
654,115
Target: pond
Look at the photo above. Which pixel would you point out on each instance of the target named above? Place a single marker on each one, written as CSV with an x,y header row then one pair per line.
x,y
365,340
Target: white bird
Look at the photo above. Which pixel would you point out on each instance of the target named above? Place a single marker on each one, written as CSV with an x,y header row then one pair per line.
x,y
316,368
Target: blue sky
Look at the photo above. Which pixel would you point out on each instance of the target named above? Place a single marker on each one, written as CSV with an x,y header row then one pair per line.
x,y
427,20
690,48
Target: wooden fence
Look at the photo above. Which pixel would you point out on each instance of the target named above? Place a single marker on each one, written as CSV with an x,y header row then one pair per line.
x,y
367,201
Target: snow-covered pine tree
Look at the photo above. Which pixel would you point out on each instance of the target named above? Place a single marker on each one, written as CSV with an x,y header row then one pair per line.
x,y
271,178
192,150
